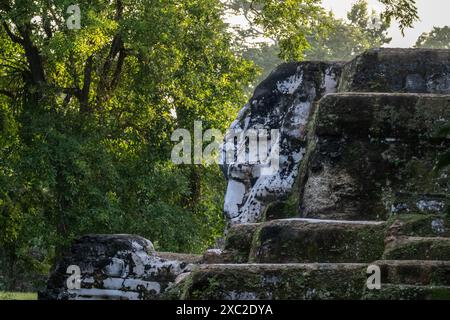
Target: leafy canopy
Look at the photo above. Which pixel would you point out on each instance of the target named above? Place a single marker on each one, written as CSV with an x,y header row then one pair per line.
x,y
438,38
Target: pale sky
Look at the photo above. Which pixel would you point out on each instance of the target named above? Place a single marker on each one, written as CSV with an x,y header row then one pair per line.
x,y
431,12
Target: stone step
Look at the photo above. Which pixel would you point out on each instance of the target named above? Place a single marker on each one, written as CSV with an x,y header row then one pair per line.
x,y
418,248
398,70
309,281
418,225
301,240
273,281
237,246
408,292
314,240
414,272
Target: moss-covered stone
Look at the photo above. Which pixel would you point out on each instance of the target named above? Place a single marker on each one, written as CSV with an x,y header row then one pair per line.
x,y
307,240
415,272
288,281
374,156
116,266
237,245
400,280
239,239
418,248
408,292
418,225
398,70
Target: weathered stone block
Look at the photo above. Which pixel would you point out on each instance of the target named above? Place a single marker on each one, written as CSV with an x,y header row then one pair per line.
x,y
398,70
373,155
418,248
415,272
308,240
237,245
275,281
418,225
124,267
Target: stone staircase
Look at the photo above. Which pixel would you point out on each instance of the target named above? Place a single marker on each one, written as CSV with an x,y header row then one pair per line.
x,y
303,241
317,259
366,194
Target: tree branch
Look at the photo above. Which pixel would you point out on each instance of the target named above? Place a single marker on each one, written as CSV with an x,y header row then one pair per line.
x,y
7,93
105,85
118,70
84,94
14,38
72,67
33,56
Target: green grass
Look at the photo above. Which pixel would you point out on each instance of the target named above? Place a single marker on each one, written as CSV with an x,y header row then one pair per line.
x,y
18,296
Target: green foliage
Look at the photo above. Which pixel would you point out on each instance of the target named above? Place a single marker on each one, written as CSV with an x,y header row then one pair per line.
x,y
404,11
298,25
86,117
288,23
18,296
337,39
346,39
438,38
265,56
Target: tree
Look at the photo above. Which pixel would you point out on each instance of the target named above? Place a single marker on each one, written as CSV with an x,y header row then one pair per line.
x,y
438,38
86,117
287,23
316,36
344,40
292,24
404,11
338,39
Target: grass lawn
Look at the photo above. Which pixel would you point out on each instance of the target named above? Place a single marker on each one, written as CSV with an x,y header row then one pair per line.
x,y
18,295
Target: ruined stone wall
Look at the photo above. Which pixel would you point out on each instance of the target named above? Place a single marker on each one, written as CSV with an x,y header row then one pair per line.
x,y
356,187
115,267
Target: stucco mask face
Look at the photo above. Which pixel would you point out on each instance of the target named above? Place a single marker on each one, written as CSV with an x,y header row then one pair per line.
x,y
276,118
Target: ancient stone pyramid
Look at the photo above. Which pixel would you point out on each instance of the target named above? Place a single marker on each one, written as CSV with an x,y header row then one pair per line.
x,y
357,190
